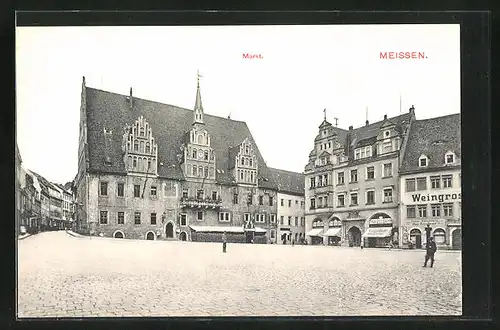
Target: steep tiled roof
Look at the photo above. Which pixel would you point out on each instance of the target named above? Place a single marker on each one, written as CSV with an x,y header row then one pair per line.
x,y
434,138
286,181
369,131
111,111
44,183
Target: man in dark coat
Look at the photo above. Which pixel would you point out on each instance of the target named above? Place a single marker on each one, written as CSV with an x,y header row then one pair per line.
x,y
224,242
431,249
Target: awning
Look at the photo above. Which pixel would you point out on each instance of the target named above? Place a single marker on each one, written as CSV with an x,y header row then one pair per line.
x,y
378,232
314,232
333,232
227,229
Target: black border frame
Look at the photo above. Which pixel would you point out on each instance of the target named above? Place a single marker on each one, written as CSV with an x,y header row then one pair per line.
x,y
476,141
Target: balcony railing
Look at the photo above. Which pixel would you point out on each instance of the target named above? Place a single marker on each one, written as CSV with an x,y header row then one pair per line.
x,y
194,202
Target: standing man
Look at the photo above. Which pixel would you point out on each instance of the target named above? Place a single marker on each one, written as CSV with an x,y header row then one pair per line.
x,y
224,242
431,249
293,241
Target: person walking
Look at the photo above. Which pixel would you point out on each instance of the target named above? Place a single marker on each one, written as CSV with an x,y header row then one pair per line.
x,y
293,241
431,249
224,242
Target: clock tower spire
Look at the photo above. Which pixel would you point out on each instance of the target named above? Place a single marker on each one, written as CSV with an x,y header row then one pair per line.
x,y
198,107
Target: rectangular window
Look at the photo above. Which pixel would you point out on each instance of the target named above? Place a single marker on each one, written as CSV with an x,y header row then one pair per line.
x,y
340,178
224,217
388,195
357,154
422,211
137,218
214,195
296,202
340,200
271,201
354,199
282,220
447,181
289,221
103,219
448,210
289,203
313,203
435,182
153,191
235,198
103,191
410,211
421,183
250,199
120,189
387,170
153,218
260,218
261,200
121,218
354,175
200,216
325,201
370,173
325,179
410,185
282,202
273,218
436,210
313,182
302,204
247,216
200,194
137,190
183,220
296,221
185,193
370,197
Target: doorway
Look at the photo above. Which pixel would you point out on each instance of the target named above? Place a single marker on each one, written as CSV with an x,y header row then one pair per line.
x,y
150,236
354,235
456,239
169,230
249,236
183,236
416,238
118,234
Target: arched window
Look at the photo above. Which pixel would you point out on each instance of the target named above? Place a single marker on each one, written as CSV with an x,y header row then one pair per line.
x,y
193,154
195,170
317,223
142,131
130,163
439,236
135,162
142,146
211,172
200,139
136,145
206,172
211,155
241,175
148,148
251,176
242,161
149,165
139,166
189,169
200,171
250,162
206,155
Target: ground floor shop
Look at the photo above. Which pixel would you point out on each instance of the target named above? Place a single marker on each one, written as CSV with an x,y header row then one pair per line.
x,y
233,234
447,233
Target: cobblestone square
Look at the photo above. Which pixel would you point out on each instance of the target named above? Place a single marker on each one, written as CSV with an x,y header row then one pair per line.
x,y
60,275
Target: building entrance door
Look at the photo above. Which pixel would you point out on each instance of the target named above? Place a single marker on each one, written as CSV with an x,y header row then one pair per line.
x,y
169,230
416,238
456,239
354,235
249,236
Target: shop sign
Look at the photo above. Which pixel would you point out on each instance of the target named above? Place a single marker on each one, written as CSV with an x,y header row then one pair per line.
x,y
382,221
424,222
417,198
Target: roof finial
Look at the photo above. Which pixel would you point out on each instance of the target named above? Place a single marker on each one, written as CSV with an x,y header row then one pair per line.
x,y
198,77
336,121
324,113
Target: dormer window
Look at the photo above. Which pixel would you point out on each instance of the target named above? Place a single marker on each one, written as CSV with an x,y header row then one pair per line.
x,y
423,161
449,158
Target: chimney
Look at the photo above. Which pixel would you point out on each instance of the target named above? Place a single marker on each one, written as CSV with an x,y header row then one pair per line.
x,y
385,117
412,109
367,123
350,128
83,80
130,98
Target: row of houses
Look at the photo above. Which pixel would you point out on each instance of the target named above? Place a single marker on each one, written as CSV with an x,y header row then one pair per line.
x,y
148,170
41,205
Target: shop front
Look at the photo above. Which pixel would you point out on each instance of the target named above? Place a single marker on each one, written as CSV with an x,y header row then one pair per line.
x,y
380,232
316,233
333,234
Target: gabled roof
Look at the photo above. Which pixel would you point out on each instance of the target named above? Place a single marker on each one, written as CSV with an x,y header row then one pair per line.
x,y
366,142
324,153
324,124
287,181
372,130
434,138
44,183
169,124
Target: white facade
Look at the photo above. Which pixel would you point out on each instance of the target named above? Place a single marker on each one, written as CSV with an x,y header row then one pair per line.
x,y
291,220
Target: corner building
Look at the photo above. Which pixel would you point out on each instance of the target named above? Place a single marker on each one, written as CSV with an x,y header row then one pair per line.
x,y
152,171
430,184
352,183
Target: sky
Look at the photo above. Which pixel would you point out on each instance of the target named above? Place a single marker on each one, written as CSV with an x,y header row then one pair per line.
x,y
281,96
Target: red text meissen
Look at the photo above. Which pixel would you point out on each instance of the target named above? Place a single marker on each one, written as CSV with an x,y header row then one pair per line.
x,y
402,55
252,56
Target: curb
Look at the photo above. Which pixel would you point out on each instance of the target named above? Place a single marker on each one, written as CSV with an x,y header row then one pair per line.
x,y
20,238
72,233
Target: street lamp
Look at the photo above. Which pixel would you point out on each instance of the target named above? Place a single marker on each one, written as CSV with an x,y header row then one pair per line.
x,y
427,232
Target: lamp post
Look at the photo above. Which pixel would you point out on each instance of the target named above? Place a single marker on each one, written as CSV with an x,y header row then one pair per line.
x,y
427,233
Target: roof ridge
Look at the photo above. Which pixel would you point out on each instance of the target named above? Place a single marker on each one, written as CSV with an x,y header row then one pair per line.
x,y
165,104
381,121
279,169
434,118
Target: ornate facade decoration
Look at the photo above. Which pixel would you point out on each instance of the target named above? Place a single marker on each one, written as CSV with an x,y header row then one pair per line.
x,y
140,149
246,164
